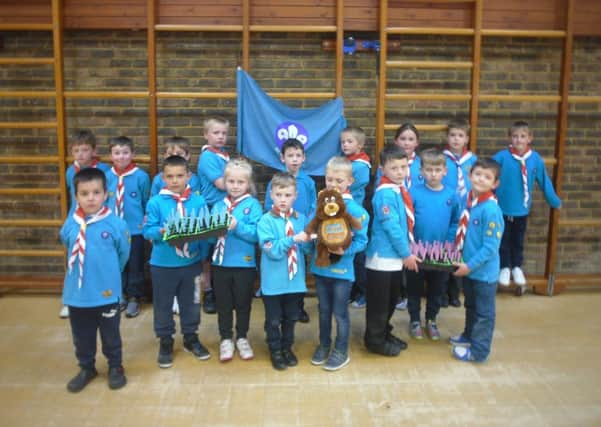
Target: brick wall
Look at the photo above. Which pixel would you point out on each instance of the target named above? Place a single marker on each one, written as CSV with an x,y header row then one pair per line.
x,y
117,60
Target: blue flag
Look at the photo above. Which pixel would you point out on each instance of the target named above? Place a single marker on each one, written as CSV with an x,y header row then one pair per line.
x,y
264,124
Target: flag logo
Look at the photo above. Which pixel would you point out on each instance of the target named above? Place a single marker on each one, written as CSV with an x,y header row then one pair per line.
x,y
291,130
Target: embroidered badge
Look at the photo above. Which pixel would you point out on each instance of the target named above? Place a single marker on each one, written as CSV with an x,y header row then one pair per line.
x,y
107,293
498,234
246,211
491,225
385,210
105,235
133,194
476,222
488,233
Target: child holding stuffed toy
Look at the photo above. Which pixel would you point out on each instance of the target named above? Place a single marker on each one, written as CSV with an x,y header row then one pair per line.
x,y
388,252
333,282
234,266
281,239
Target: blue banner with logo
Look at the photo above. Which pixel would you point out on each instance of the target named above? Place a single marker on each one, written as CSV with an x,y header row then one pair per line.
x,y
264,124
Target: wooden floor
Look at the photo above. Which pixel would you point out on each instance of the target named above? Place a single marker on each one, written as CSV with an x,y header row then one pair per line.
x,y
545,370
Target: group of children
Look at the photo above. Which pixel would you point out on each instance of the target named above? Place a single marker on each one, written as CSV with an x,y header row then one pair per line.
x,y
435,197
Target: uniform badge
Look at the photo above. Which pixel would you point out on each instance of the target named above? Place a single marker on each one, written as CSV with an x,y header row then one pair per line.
x,y
246,211
105,235
385,210
498,234
488,233
491,225
133,194
476,222
449,201
107,293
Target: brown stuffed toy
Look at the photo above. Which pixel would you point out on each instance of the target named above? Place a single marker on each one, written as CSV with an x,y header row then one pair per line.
x,y
333,226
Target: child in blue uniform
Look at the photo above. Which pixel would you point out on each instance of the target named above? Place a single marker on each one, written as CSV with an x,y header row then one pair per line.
x,y
174,268
175,146
234,266
129,187
459,162
333,283
98,246
436,210
281,239
478,236
293,157
387,253
352,143
210,174
520,168
83,150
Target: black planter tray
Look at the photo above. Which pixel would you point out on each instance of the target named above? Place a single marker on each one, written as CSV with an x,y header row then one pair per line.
x,y
435,266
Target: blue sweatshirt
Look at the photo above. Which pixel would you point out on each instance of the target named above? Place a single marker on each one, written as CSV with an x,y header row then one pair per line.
x,y
451,178
106,253
240,243
414,170
344,268
361,174
158,184
306,200
137,190
436,213
69,178
161,207
210,168
482,240
389,233
274,245
510,191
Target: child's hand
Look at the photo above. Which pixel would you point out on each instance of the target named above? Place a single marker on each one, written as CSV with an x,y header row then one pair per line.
x,y
338,251
463,270
301,237
410,263
233,224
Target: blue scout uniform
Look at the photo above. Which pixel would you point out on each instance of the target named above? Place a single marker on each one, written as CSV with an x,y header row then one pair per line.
x,y
210,168
306,200
137,190
436,213
158,184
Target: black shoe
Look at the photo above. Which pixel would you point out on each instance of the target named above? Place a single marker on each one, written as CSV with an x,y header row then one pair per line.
x,y
116,378
289,357
396,341
208,302
277,360
304,316
455,302
193,345
79,381
165,358
385,349
444,301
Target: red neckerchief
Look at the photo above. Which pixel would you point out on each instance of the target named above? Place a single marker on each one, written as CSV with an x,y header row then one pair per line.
x,y
522,159
77,168
360,157
465,215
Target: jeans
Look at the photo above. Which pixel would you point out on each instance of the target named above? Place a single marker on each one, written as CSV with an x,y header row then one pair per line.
x,y
168,283
479,316
281,314
133,273
382,294
233,287
333,295
415,288
85,322
512,243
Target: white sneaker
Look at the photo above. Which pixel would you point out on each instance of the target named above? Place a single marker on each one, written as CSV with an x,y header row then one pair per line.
x,y
226,350
518,276
175,306
402,305
64,313
244,349
504,277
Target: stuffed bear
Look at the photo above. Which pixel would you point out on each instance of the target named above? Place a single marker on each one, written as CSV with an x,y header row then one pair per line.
x,y
333,226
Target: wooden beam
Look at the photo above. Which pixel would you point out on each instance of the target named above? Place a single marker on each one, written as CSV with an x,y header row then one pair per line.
x,y
29,160
31,222
560,135
246,35
32,252
431,31
293,28
27,125
581,222
196,95
429,64
420,127
519,98
428,96
25,27
151,15
339,43
475,78
105,94
381,94
523,33
27,93
199,28
26,61
29,191
577,99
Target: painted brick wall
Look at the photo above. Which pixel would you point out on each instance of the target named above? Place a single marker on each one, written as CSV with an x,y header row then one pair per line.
x,y
117,60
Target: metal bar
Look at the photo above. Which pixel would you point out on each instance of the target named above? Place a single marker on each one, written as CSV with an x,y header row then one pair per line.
x,y
560,135
429,64
475,80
